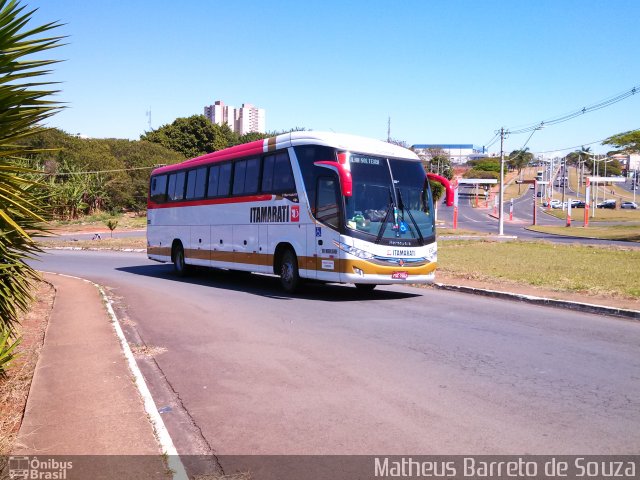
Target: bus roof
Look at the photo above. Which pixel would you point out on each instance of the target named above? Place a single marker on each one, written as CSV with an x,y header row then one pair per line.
x,y
340,141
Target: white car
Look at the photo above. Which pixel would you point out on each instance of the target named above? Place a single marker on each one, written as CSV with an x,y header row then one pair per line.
x,y
556,203
632,205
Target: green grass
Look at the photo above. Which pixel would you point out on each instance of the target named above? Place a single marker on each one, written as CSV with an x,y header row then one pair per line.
x,y
627,233
573,268
459,231
601,215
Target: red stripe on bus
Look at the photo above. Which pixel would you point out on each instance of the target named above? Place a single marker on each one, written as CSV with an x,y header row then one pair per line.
x,y
246,149
209,201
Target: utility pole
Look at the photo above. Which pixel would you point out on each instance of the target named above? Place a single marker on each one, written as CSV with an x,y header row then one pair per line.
x,y
501,193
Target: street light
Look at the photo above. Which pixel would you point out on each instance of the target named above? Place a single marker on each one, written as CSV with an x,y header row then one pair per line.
x,y
504,132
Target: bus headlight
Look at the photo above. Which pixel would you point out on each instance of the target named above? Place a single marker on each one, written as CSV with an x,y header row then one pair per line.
x,y
356,252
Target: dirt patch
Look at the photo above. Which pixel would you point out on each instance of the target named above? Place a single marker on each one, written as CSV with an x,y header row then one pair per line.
x,y
148,351
14,389
512,287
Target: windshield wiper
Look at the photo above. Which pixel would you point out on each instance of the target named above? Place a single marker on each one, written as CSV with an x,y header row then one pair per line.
x,y
391,207
403,209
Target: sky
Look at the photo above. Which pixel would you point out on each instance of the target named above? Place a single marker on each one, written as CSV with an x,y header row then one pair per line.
x,y
442,71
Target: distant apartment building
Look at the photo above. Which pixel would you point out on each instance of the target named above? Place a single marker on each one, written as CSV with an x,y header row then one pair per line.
x,y
459,153
245,119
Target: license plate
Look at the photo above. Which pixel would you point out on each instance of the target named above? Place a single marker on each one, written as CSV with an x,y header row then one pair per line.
x,y
400,275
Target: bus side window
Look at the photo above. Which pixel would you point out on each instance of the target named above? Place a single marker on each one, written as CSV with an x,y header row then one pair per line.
x,y
267,173
214,176
326,209
252,176
195,183
239,173
225,180
178,191
159,189
172,187
219,180
246,176
282,175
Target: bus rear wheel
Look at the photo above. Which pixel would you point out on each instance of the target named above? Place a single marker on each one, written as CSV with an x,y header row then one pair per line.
x,y
289,274
366,287
180,267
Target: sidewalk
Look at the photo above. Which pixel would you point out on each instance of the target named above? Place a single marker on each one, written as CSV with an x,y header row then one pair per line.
x,y
83,400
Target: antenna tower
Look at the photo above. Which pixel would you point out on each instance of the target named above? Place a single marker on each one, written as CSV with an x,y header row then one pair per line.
x,y
389,130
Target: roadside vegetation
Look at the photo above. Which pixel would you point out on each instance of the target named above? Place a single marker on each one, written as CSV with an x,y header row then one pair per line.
x,y
601,215
573,268
24,97
625,233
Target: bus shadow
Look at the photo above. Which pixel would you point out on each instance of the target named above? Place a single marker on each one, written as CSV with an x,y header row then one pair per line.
x,y
265,285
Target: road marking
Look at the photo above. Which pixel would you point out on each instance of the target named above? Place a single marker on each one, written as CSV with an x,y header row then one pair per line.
x,y
162,434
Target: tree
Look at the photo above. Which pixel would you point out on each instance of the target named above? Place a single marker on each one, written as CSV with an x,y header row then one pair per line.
x,y
192,136
484,168
436,160
24,105
587,157
627,142
70,164
400,143
518,159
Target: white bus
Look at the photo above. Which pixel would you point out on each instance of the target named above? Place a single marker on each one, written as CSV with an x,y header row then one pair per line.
x,y
303,205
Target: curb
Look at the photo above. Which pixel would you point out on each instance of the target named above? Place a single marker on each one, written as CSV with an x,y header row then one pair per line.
x,y
548,302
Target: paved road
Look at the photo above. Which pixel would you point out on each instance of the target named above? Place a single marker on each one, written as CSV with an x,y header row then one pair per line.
x,y
241,368
481,220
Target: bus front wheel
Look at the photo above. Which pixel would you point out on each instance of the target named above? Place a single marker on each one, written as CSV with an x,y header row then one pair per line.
x,y
289,274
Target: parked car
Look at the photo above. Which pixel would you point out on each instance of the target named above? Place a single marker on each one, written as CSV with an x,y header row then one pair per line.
x,y
556,203
632,205
607,204
577,204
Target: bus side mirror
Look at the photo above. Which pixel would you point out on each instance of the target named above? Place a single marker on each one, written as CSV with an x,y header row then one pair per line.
x,y
346,181
446,184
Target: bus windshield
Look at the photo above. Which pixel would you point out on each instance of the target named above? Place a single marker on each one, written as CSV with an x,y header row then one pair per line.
x,y
391,199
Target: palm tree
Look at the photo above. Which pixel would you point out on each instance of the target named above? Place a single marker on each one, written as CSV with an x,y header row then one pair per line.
x,y
518,159
23,106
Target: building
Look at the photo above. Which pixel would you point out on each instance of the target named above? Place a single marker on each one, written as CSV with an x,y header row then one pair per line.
x,y
221,114
245,119
249,119
459,153
629,162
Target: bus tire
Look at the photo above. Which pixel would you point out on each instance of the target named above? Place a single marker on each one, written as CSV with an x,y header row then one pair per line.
x,y
289,274
366,287
180,267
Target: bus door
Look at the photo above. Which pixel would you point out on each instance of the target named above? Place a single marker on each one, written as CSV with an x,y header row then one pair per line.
x,y
327,212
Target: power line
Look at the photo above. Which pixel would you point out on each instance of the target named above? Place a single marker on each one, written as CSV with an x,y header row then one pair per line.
x,y
578,146
104,171
569,116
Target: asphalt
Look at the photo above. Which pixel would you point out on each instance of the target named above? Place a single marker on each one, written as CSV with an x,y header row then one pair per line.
x,y
84,399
